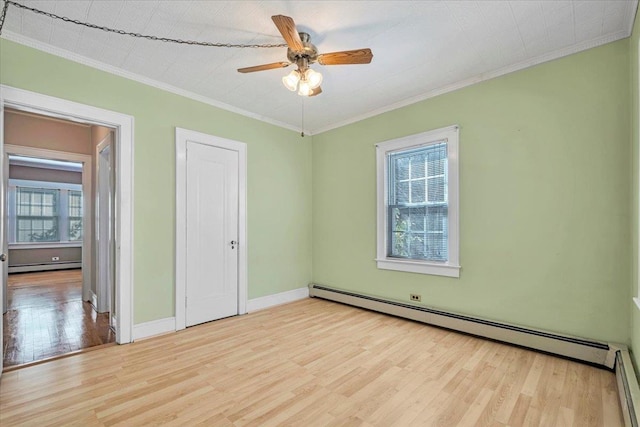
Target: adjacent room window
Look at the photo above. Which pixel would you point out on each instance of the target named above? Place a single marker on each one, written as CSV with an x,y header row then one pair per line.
x,y
37,214
75,215
44,212
418,203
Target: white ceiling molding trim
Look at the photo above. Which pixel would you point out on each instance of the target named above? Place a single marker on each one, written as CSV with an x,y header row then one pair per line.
x,y
421,49
482,77
62,53
631,13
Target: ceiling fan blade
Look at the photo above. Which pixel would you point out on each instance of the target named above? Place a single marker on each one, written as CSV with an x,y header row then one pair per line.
x,y
287,28
264,67
316,91
345,57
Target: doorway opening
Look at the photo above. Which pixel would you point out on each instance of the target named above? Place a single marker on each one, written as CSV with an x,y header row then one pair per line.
x,y
120,126
53,304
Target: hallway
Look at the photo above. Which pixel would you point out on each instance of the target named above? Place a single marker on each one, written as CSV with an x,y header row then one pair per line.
x,y
46,317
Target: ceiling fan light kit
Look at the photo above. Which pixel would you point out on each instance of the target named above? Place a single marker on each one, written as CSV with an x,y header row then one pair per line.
x,y
302,53
305,82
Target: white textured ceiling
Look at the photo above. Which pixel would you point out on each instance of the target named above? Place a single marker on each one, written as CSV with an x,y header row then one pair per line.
x,y
420,48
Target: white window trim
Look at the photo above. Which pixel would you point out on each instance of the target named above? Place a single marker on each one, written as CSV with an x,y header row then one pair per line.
x,y
52,245
44,184
451,268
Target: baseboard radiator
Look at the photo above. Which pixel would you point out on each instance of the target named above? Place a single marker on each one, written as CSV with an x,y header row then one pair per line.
x,y
593,352
628,389
613,356
44,267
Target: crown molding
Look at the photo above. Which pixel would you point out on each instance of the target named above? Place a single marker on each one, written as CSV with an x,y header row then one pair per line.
x,y
632,10
63,53
487,76
632,7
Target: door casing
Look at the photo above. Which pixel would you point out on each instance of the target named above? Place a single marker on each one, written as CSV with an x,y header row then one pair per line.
x,y
123,126
182,136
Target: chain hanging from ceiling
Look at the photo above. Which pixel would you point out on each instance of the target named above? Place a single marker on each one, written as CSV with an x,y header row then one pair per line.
x,y
127,33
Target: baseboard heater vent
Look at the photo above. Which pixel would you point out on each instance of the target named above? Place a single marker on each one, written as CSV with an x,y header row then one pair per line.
x,y
627,387
592,352
44,267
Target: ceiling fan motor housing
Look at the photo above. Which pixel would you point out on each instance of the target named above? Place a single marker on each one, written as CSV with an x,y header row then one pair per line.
x,y
308,54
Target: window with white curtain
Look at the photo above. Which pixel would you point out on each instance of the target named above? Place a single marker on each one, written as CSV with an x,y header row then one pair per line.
x,y
418,203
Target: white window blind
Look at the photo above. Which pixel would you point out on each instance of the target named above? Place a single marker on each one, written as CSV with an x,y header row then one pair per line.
x,y
417,209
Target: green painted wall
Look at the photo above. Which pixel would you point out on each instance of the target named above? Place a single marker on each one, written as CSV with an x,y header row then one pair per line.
x,y
279,175
545,185
634,46
545,180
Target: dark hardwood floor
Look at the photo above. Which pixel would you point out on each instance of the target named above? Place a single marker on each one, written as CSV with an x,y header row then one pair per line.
x,y
46,317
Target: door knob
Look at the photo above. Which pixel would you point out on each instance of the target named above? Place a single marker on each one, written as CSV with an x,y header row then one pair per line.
x,y
233,244
3,257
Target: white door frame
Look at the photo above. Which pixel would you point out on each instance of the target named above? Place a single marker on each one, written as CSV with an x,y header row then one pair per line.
x,y
87,237
124,138
103,290
4,176
182,137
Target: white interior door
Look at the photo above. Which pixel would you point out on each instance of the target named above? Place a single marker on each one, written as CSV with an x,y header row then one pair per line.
x,y
211,233
104,228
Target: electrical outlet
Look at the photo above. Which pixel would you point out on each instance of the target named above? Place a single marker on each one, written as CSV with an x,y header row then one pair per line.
x,y
415,297
55,258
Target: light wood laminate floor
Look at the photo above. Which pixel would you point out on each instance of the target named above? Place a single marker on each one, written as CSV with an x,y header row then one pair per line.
x,y
311,363
46,317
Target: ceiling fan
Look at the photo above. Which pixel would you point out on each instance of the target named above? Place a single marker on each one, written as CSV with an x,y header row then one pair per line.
x,y
302,53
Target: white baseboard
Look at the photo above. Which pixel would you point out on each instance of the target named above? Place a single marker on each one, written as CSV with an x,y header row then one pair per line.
x,y
267,301
163,326
153,328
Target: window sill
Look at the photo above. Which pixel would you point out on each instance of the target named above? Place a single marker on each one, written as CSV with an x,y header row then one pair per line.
x,y
45,245
436,269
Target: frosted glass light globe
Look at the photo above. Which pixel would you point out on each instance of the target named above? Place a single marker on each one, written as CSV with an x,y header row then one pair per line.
x,y
313,77
291,80
305,89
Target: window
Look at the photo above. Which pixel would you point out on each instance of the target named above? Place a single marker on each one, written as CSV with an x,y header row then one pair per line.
x,y
418,203
37,215
44,212
75,215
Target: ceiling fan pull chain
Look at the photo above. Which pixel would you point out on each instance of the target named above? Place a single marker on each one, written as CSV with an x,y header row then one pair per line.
x,y
302,126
